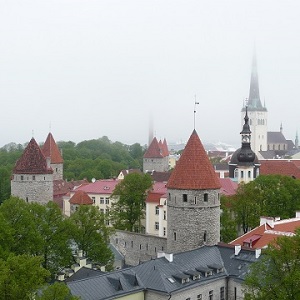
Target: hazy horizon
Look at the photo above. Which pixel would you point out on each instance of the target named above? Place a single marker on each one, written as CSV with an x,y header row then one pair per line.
x,y
94,68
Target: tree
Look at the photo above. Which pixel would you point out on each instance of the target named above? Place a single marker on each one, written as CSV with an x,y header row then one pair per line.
x,y
56,291
21,276
91,234
277,274
128,210
228,230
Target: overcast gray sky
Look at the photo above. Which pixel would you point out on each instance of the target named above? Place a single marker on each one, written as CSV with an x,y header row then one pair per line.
x,y
92,67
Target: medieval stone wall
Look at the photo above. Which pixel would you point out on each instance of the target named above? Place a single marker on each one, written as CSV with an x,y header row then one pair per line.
x,y
193,219
156,164
33,188
57,171
137,247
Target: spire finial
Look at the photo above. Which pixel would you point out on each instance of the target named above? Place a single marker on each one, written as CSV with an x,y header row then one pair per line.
x,y
195,112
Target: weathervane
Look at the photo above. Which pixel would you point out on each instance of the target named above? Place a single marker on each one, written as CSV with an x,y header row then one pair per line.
x,y
246,102
195,112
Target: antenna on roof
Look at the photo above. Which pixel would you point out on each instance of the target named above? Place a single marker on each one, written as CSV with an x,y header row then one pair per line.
x,y
195,112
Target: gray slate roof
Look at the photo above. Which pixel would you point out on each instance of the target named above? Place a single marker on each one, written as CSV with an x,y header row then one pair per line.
x,y
276,137
167,277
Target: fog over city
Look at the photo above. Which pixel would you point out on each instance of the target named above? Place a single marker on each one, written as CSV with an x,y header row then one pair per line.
x,y
84,69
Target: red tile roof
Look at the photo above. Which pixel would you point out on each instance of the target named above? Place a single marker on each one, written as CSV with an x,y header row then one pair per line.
x,y
105,186
81,198
32,161
154,150
194,170
50,149
228,187
264,234
279,167
165,148
154,197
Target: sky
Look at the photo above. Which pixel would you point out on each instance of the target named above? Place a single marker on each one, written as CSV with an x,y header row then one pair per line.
x,y
84,69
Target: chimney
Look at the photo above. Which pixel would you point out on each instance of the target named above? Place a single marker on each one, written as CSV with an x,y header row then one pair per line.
x,y
237,249
257,253
169,257
160,254
267,220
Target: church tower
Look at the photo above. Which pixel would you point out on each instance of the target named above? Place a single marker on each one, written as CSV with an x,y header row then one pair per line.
x,y
32,178
193,213
51,151
244,165
258,114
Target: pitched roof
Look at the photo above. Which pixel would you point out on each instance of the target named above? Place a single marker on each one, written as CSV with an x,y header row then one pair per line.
x,y
165,147
163,276
154,150
81,198
32,161
193,170
279,167
228,187
50,149
105,186
264,234
276,137
154,197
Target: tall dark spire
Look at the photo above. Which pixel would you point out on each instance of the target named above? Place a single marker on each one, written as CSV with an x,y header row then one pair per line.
x,y
254,102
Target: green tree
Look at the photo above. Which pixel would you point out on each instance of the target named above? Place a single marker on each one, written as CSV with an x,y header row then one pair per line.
x,y
131,192
21,276
91,234
277,274
228,230
56,291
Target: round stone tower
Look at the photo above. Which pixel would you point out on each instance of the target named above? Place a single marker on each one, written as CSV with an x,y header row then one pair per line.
x,y
193,213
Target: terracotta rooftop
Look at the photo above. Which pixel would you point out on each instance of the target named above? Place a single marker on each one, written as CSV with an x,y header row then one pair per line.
x,y
155,150
228,187
32,161
50,149
267,232
105,186
194,170
279,167
154,197
81,198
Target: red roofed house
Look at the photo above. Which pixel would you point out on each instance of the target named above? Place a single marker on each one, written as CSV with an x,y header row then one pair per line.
x,y
268,230
32,178
193,200
280,167
80,198
99,192
156,157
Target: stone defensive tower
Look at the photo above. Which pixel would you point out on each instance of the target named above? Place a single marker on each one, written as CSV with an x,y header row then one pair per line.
x,y
32,178
156,157
51,151
193,213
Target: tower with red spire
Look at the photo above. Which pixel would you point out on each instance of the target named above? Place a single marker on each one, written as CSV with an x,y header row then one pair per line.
x,y
193,200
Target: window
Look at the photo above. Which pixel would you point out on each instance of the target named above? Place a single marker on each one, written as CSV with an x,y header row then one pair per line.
x,y
175,236
205,197
102,210
33,177
211,295
169,197
235,293
156,226
22,177
131,244
188,298
205,236
101,200
199,297
156,210
26,199
94,199
140,246
242,174
164,231
222,293
184,197
106,200
195,200
249,174
147,247
117,241
165,215
107,211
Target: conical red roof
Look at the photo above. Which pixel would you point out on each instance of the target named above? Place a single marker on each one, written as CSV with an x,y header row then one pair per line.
x,y
32,161
50,149
154,150
193,171
81,198
165,148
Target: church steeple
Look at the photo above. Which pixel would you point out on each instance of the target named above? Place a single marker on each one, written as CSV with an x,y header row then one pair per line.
x,y
254,102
